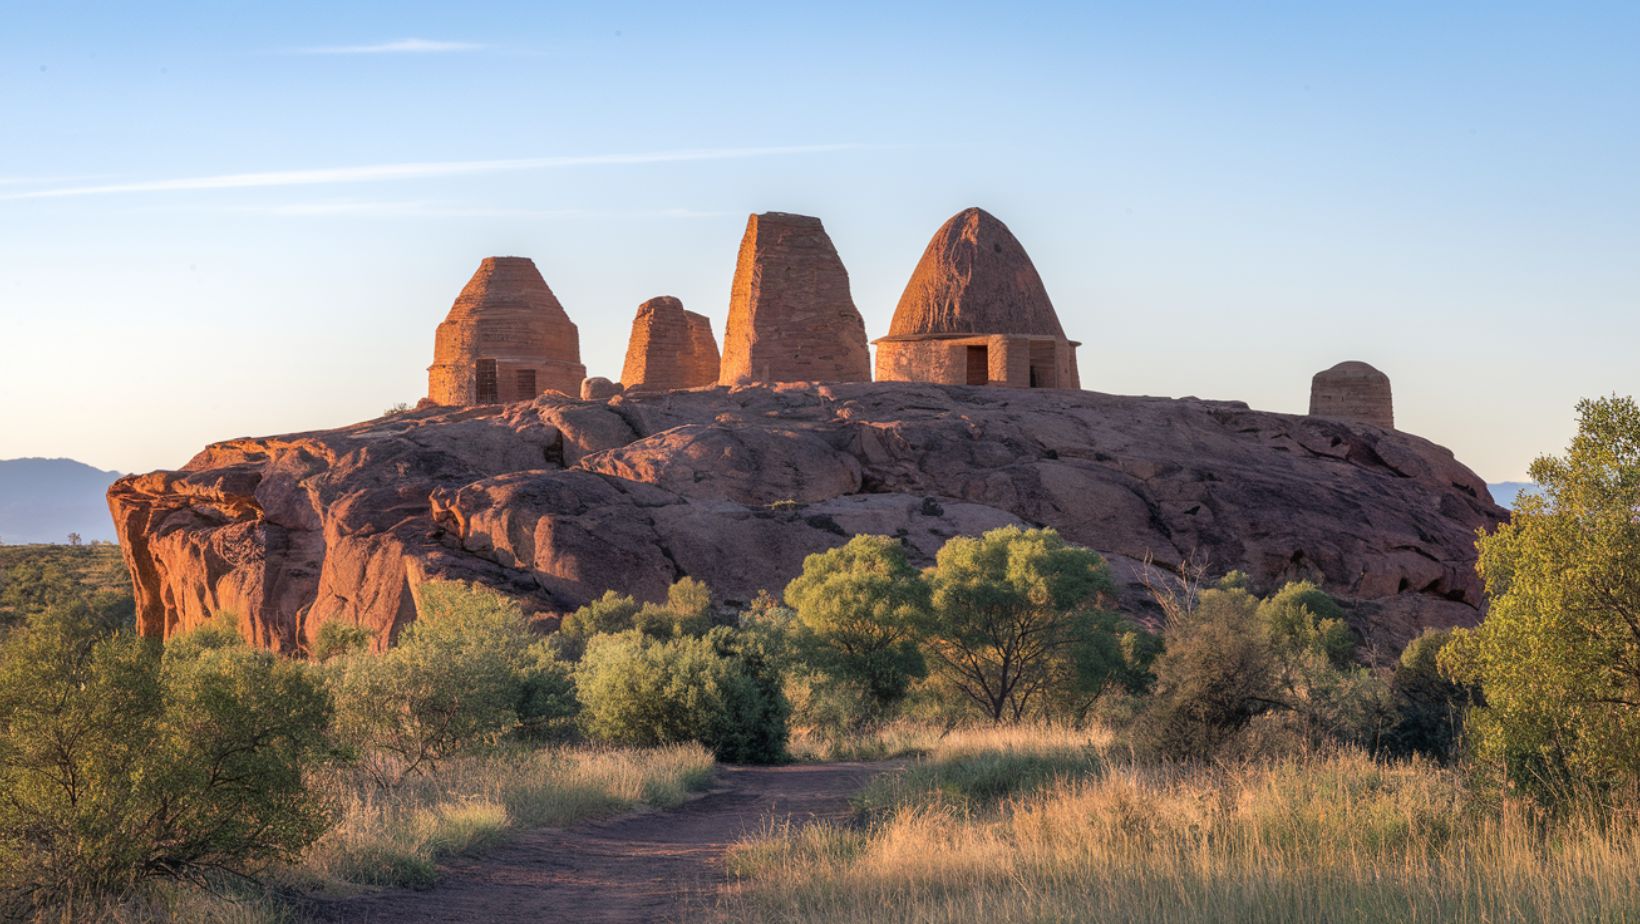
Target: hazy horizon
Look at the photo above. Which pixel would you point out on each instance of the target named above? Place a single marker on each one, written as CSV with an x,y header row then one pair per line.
x,y
233,222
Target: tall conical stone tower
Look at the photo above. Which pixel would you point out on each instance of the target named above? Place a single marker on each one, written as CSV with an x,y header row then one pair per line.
x,y
791,317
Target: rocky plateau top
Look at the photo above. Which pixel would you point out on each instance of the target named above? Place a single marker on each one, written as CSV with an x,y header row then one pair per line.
x,y
555,500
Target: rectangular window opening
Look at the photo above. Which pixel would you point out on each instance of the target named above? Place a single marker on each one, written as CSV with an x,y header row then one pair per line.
x,y
487,390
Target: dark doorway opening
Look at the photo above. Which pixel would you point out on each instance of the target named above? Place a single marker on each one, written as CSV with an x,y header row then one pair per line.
x,y
487,391
1043,368
979,365
526,384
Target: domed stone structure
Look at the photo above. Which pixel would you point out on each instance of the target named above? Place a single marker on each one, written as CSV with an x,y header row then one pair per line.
x,y
506,339
976,313
1353,391
670,349
791,317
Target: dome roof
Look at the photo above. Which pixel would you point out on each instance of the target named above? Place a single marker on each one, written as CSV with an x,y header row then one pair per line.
x,y
975,278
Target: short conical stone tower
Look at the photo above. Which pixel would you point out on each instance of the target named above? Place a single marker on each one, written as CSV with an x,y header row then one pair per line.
x,y
506,339
1353,391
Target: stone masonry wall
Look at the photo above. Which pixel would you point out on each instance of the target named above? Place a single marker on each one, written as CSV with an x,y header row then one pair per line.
x,y
791,317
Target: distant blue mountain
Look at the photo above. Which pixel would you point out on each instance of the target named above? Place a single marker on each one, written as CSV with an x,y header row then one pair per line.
x,y
43,500
1504,492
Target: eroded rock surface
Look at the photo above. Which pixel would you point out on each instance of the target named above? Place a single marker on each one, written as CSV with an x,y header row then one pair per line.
x,y
555,500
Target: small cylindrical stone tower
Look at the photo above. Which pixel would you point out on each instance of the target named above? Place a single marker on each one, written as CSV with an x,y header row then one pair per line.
x,y
1353,391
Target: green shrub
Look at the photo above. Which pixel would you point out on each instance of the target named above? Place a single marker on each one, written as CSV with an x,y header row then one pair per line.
x,y
613,612
546,694
120,763
1301,617
335,639
639,690
1429,707
457,679
1215,674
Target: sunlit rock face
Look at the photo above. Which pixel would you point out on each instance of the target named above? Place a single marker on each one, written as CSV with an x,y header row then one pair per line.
x,y
555,500
1353,391
791,317
975,312
506,339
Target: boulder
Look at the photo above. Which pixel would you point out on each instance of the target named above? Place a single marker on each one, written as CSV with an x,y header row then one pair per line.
x,y
598,388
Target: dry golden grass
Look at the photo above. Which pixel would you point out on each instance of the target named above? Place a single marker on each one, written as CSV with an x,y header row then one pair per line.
x,y
396,837
1097,837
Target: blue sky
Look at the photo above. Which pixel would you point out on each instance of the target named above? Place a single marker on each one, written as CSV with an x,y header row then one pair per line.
x,y
227,219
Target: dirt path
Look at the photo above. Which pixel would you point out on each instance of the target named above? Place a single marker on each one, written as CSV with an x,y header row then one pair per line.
x,y
650,866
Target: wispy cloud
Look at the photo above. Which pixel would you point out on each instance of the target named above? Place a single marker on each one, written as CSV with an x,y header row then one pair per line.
x,y
412,171
408,46
374,209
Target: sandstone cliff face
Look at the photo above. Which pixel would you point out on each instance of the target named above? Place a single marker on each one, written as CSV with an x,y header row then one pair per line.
x,y
555,500
791,316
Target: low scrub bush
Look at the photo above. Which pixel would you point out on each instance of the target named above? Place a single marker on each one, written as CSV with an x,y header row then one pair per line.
x,y
466,674
714,689
122,763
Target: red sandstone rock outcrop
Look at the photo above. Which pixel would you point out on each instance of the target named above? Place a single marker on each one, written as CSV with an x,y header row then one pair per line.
x,y
554,501
670,349
506,339
975,312
791,317
1353,391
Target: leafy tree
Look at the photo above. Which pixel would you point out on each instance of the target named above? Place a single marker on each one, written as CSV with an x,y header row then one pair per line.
x,y
859,610
1112,654
455,680
1009,612
1558,656
120,764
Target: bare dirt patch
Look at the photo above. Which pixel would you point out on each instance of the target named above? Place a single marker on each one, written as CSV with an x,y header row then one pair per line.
x,y
648,866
